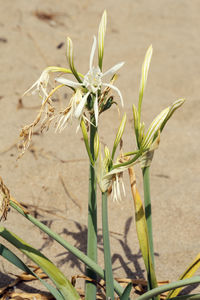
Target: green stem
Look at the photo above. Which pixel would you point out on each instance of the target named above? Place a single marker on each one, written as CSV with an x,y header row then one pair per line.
x,y
90,288
106,245
80,255
164,288
148,214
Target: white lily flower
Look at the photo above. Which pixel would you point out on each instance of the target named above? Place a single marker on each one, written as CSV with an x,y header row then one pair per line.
x,y
69,112
93,82
109,181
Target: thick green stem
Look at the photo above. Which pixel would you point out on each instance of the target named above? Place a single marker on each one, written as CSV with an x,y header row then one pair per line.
x,y
148,214
80,255
90,289
106,245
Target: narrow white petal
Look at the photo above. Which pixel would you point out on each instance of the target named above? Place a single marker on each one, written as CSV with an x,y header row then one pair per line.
x,y
117,90
92,52
80,107
96,110
114,69
68,82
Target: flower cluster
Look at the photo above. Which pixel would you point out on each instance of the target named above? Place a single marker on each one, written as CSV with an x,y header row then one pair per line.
x,y
88,96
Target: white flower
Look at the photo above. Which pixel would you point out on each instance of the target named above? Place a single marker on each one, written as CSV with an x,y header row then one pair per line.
x,y
92,81
109,181
69,112
116,194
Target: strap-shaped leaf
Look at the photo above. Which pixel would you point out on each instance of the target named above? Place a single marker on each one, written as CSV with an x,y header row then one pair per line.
x,y
58,278
76,252
126,292
15,260
189,272
173,285
101,37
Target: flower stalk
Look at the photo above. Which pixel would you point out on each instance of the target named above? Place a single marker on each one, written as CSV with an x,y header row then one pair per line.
x,y
106,245
90,290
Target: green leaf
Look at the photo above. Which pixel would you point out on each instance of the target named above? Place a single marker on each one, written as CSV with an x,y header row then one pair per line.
x,y
189,272
127,291
12,258
58,278
76,252
173,285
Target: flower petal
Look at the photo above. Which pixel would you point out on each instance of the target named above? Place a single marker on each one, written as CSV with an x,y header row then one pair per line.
x,y
92,52
68,82
116,89
113,70
81,105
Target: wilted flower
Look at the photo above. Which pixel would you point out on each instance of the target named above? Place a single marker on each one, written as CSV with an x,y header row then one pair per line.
x,y
41,85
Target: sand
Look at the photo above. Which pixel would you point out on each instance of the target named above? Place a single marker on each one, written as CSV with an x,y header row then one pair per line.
x,y
31,38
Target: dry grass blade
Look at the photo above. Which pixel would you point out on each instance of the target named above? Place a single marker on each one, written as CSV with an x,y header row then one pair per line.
x,y
26,296
4,200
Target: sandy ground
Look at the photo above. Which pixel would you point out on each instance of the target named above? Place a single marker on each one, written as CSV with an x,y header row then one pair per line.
x,y
29,43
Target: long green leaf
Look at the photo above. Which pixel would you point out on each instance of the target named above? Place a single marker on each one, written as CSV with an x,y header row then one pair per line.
x,y
171,286
189,272
15,260
58,278
126,292
80,255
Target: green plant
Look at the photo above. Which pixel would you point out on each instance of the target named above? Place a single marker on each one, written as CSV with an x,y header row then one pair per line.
x,y
91,97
